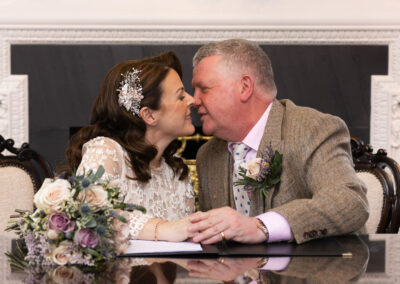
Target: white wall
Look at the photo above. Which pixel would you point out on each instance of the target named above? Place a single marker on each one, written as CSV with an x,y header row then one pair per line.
x,y
201,12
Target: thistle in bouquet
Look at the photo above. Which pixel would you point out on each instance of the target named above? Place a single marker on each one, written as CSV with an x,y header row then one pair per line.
x,y
78,220
261,174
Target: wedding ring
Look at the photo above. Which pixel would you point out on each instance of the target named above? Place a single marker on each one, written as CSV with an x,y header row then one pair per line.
x,y
222,236
221,260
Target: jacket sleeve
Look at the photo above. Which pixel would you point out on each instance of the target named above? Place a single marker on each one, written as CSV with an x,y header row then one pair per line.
x,y
323,162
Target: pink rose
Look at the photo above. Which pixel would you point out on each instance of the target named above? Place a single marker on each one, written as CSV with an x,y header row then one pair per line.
x,y
86,238
59,222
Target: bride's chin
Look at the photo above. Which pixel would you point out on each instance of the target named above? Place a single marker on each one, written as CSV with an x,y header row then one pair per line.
x,y
190,130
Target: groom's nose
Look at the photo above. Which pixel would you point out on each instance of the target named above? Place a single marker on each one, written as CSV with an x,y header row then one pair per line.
x,y
196,97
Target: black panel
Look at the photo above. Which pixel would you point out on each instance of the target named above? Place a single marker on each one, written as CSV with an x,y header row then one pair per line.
x,y
65,79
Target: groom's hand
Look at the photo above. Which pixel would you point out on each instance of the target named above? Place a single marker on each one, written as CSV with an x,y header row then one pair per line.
x,y
224,269
232,224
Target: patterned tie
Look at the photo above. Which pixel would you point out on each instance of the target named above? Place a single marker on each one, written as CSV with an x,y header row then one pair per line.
x,y
242,201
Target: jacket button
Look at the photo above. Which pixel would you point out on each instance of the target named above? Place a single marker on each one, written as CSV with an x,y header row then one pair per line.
x,y
323,232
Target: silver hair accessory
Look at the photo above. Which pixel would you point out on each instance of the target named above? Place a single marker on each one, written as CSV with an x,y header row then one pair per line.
x,y
130,92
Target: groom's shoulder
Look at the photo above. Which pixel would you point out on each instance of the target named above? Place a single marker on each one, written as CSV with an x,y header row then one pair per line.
x,y
293,110
299,116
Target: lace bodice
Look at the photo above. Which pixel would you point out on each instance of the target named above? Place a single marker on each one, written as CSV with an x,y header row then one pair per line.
x,y
164,196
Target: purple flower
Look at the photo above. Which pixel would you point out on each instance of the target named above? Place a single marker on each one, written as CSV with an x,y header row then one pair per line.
x,y
59,222
86,238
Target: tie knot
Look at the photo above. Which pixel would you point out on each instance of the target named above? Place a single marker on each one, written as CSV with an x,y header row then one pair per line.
x,y
239,150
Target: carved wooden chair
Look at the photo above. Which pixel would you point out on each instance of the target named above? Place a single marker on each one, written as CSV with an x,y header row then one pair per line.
x,y
22,171
382,177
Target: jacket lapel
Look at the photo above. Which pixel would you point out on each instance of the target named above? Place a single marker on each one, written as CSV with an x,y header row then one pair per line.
x,y
221,173
272,136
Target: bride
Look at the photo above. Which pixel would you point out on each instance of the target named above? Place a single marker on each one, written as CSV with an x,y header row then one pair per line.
x,y
141,109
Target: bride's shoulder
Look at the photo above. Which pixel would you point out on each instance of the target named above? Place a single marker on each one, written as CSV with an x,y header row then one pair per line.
x,y
102,142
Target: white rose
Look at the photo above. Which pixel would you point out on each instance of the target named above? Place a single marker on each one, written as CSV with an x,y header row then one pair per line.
x,y
64,274
61,254
121,229
52,235
114,183
37,197
52,194
122,278
121,246
95,196
252,168
75,256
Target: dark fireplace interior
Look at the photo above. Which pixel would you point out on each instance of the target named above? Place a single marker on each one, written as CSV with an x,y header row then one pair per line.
x,y
65,79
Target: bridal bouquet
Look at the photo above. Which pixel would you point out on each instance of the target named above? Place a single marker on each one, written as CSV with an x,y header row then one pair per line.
x,y
82,221
115,271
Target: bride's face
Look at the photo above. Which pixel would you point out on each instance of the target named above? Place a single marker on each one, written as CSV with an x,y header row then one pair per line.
x,y
174,119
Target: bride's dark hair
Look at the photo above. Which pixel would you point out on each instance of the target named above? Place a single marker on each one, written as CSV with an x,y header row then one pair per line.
x,y
111,120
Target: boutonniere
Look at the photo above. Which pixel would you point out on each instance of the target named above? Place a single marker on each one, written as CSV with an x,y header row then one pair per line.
x,y
261,173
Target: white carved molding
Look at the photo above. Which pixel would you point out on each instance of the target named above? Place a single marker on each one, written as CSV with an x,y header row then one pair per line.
x,y
385,90
14,108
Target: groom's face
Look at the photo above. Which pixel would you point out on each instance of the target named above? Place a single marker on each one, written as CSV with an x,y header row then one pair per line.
x,y
216,93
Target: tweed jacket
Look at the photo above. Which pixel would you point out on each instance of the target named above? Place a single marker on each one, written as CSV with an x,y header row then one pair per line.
x,y
319,193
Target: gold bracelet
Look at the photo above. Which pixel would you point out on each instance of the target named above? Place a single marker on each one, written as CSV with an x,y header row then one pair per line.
x,y
156,229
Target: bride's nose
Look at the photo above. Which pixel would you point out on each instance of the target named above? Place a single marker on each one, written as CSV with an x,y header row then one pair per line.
x,y
190,100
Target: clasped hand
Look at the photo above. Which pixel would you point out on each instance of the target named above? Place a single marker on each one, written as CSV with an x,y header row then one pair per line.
x,y
208,226
223,269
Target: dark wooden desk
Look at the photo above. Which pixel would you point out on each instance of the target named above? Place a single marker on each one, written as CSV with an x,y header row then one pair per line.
x,y
375,259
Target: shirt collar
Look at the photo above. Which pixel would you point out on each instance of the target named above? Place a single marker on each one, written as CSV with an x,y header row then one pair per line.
x,y
253,138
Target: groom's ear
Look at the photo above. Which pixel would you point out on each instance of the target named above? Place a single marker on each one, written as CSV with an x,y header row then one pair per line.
x,y
247,87
149,116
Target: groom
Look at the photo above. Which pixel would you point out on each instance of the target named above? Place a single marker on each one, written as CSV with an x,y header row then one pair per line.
x,y
319,194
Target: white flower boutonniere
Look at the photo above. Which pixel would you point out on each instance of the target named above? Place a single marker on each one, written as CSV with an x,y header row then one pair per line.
x,y
261,173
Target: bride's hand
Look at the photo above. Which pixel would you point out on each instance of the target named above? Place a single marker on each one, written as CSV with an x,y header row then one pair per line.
x,y
175,231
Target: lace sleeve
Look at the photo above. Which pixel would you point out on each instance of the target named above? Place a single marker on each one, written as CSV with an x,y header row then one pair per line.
x,y
190,197
137,220
102,151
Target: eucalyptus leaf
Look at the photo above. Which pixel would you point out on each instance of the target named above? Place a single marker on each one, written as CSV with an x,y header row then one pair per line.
x,y
131,207
119,217
99,173
91,223
94,253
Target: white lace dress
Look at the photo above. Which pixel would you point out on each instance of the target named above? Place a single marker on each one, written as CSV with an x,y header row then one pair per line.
x,y
164,196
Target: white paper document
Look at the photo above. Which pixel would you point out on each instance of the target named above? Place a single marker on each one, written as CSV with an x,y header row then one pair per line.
x,y
138,246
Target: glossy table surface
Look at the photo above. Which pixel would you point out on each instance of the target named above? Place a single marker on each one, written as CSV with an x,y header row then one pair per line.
x,y
375,259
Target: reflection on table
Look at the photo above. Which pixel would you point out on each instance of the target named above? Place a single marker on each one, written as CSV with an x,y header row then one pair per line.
x,y
374,260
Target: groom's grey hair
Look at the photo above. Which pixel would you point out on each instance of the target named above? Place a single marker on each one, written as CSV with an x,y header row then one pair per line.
x,y
243,55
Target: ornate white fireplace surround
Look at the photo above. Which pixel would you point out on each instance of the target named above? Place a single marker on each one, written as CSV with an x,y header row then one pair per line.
x,y
385,90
